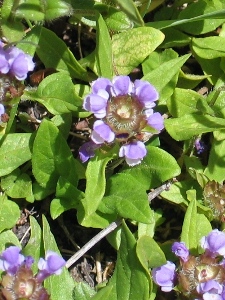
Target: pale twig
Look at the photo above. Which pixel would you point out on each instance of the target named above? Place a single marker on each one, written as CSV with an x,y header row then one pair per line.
x,y
156,192
25,234
92,242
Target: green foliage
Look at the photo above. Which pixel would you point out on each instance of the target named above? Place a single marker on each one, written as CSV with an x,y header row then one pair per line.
x,y
181,52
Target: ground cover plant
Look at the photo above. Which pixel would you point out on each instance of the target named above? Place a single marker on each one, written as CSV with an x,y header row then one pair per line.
x,y
112,149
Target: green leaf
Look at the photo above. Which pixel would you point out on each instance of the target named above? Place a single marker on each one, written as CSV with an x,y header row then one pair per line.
x,y
52,157
96,182
204,227
217,14
103,50
12,30
67,197
130,48
60,287
33,247
56,93
14,151
183,102
216,163
149,253
189,228
157,167
117,21
164,78
127,198
83,291
56,9
174,38
198,9
54,53
155,59
8,238
30,10
129,275
129,7
9,212
18,185
185,127
190,81
209,47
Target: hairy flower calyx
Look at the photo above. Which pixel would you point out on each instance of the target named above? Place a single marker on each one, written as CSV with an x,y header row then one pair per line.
x,y
124,115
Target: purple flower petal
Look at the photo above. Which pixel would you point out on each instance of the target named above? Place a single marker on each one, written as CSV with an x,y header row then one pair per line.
x,y
86,151
146,93
156,121
133,152
20,63
165,276
52,264
11,259
97,103
101,84
180,250
102,133
122,86
214,243
210,287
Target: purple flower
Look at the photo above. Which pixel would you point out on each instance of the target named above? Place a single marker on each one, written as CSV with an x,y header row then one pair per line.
x,y
199,146
214,243
15,62
165,276
133,152
52,264
102,133
210,289
11,260
180,250
86,151
20,63
125,108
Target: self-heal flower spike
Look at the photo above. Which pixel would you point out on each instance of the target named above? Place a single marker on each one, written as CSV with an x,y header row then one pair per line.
x,y
11,260
52,264
124,110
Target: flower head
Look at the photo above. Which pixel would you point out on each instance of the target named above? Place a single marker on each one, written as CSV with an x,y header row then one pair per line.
x,y
125,109
52,264
165,276
11,260
180,250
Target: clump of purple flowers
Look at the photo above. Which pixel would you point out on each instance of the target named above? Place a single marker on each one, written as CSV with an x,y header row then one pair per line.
x,y
15,62
19,282
124,110
197,277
